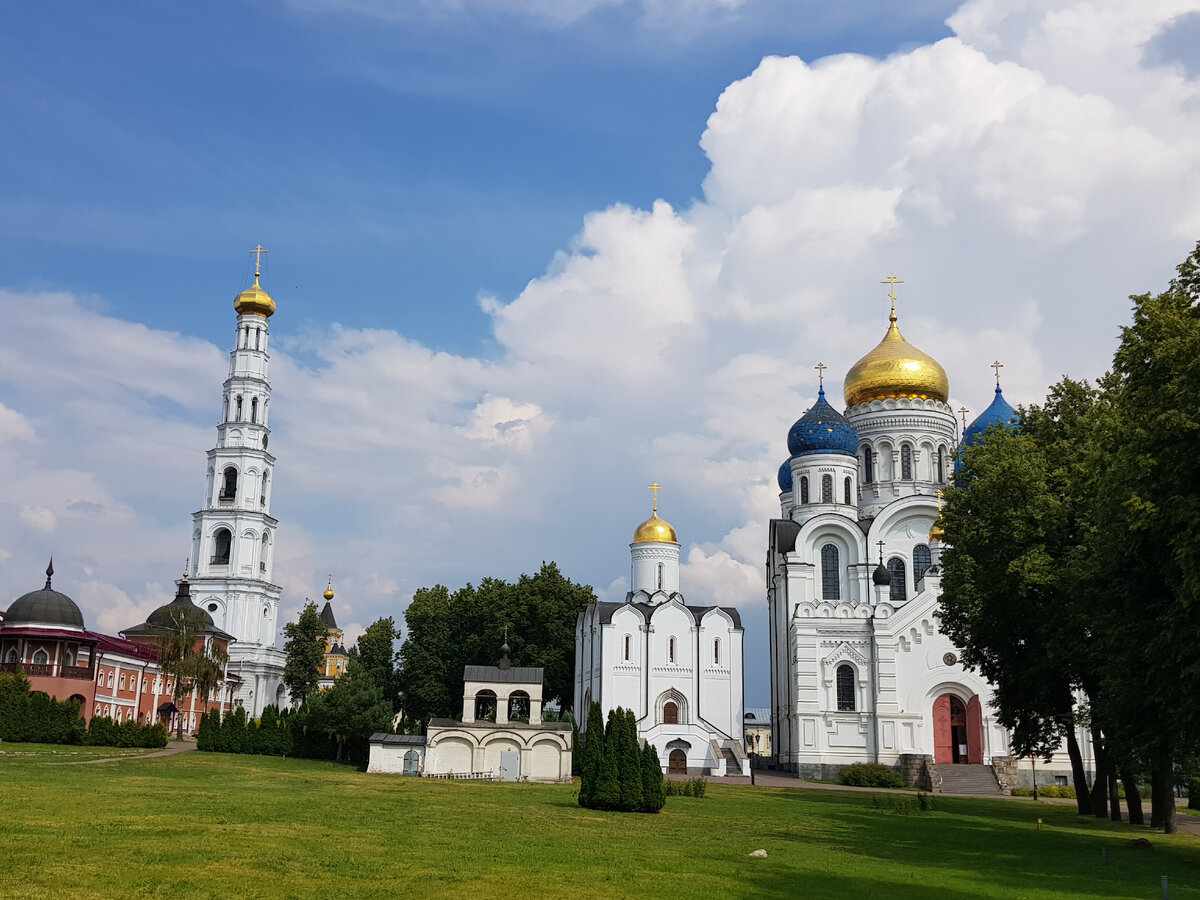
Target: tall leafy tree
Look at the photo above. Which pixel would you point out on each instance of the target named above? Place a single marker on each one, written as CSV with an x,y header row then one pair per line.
x,y
376,652
305,651
352,710
187,655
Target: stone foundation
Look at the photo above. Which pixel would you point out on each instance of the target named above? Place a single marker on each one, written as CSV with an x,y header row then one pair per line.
x,y
1007,774
919,771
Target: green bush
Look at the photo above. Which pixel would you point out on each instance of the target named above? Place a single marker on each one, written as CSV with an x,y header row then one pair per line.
x,y
36,717
691,787
870,775
104,732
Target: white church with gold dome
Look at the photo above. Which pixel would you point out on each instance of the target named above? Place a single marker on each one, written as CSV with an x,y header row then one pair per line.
x,y
860,671
678,667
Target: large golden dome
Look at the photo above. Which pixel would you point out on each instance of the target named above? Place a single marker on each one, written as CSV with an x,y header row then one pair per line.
x,y
655,531
896,369
254,301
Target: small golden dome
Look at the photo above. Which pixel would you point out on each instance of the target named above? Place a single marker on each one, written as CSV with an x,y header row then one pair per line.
x,y
935,531
655,531
895,368
254,301
328,595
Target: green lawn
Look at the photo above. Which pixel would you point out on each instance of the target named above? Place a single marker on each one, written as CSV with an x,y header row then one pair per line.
x,y
208,825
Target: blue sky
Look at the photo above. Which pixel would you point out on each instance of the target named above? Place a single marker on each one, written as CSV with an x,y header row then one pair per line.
x,y
531,255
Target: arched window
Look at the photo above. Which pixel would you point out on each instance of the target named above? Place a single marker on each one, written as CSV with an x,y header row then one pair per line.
x,y
868,464
941,464
628,646
898,591
262,497
239,408
41,657
485,706
229,485
670,713
225,408
671,650
830,574
257,331
659,577
922,560
846,492
262,557
826,488
253,410
221,544
845,688
717,652
906,463
518,706
68,659
803,488
12,655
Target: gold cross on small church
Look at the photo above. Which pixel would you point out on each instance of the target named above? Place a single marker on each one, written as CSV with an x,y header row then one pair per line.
x,y
258,252
821,367
997,365
893,281
654,489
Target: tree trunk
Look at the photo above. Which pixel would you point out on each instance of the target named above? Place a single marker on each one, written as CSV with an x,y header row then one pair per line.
x,y
1162,810
179,713
1133,799
1100,785
1083,799
1114,791
340,742
1156,799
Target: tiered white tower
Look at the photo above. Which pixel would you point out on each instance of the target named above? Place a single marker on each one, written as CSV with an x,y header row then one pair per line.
x,y
233,533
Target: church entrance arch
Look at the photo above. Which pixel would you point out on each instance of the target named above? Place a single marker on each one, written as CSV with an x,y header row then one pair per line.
x,y
677,763
957,730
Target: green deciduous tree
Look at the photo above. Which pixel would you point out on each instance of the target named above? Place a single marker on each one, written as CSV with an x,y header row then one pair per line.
x,y
187,654
376,653
305,650
352,710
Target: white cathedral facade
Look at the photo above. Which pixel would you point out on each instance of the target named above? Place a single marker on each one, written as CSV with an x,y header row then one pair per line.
x,y
233,533
678,667
860,670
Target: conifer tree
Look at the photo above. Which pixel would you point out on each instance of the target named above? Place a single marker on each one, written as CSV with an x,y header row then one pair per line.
x,y
607,793
629,765
593,751
653,793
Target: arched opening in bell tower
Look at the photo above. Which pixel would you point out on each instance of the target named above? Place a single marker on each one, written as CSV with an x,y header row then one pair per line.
x,y
229,484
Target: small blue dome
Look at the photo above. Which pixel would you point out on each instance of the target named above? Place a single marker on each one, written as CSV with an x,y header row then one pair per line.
x,y
822,430
785,475
998,412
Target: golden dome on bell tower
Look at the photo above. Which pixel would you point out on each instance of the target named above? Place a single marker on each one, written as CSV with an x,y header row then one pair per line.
x,y
254,301
895,368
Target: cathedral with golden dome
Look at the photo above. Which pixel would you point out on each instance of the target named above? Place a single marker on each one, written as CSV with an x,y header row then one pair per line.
x,y
860,671
678,667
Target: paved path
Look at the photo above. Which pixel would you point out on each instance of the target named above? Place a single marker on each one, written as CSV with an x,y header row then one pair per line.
x,y
172,748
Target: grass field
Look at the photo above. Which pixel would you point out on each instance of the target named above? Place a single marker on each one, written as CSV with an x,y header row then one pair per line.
x,y
209,825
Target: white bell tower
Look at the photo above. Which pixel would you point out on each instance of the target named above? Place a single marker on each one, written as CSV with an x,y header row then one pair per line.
x,y
233,533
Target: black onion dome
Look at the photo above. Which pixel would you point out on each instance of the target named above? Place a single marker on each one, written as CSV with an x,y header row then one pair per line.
x,y
881,576
44,607
183,597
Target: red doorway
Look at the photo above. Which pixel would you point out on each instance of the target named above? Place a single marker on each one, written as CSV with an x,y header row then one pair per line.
x,y
957,730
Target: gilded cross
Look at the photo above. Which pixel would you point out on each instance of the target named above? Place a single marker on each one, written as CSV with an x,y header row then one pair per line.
x,y
893,281
258,252
997,365
654,489
962,411
939,496
821,367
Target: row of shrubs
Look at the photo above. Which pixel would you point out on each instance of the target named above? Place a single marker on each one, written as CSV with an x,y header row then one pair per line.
x,y
615,774
37,718
691,787
275,733
870,775
1051,790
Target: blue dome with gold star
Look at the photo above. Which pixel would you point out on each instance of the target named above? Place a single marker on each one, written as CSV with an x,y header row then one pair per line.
x,y
998,412
785,475
822,430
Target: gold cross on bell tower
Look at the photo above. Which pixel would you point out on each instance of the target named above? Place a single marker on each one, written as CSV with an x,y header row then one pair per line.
x,y
654,489
821,367
258,252
893,281
997,365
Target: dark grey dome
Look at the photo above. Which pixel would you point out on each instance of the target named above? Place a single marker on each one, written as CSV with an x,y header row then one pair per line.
x,y
44,607
183,597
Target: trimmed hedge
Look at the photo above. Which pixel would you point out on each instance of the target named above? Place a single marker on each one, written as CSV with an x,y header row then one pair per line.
x,y
104,732
870,775
36,718
276,733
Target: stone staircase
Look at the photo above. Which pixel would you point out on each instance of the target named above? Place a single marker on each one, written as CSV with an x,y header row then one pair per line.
x,y
969,779
733,765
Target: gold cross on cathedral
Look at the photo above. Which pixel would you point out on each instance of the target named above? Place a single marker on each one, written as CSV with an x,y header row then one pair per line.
x,y
939,496
654,489
962,411
821,367
258,252
893,281
997,365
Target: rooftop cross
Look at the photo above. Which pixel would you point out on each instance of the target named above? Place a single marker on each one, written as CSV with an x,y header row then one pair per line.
x,y
258,252
893,281
939,496
654,489
962,411
821,367
997,365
